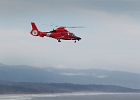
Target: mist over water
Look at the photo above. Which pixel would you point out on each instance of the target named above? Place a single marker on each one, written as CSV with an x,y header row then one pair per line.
x,y
74,96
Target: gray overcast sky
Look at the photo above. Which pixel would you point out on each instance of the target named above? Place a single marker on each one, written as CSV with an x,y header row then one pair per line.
x,y
111,39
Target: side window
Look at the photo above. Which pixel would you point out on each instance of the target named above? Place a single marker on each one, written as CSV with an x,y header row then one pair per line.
x,y
62,34
68,34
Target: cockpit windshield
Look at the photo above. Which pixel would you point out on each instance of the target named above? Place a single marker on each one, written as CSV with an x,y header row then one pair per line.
x,y
73,34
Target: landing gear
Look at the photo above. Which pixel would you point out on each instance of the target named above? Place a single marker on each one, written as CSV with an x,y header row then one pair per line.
x,y
75,41
59,40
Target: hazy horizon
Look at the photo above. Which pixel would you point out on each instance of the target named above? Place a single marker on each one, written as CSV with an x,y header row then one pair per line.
x,y
110,39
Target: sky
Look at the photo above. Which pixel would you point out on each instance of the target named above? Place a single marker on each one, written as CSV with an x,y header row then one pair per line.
x,y
110,39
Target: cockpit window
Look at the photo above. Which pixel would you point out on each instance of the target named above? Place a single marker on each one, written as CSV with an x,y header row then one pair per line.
x,y
73,34
68,33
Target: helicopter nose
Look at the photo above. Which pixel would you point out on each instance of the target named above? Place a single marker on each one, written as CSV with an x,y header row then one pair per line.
x,y
77,38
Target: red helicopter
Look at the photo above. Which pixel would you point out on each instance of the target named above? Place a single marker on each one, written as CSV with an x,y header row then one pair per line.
x,y
59,33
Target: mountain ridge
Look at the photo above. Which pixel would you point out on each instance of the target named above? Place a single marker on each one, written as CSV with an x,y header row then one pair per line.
x,y
24,73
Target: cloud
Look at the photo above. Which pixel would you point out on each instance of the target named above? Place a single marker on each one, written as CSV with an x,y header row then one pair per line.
x,y
84,74
102,76
61,66
74,74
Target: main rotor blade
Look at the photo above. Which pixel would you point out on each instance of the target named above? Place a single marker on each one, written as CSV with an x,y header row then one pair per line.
x,y
71,26
75,27
65,26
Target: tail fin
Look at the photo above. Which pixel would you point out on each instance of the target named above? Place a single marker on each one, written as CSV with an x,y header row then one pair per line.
x,y
34,26
34,30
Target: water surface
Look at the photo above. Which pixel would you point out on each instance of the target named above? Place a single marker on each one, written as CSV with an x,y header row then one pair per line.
x,y
74,96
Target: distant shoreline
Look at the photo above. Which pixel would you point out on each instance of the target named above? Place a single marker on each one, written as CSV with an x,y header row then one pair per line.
x,y
61,94
56,88
52,88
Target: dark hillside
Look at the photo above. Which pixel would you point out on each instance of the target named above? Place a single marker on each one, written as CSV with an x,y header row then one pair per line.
x,y
32,88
